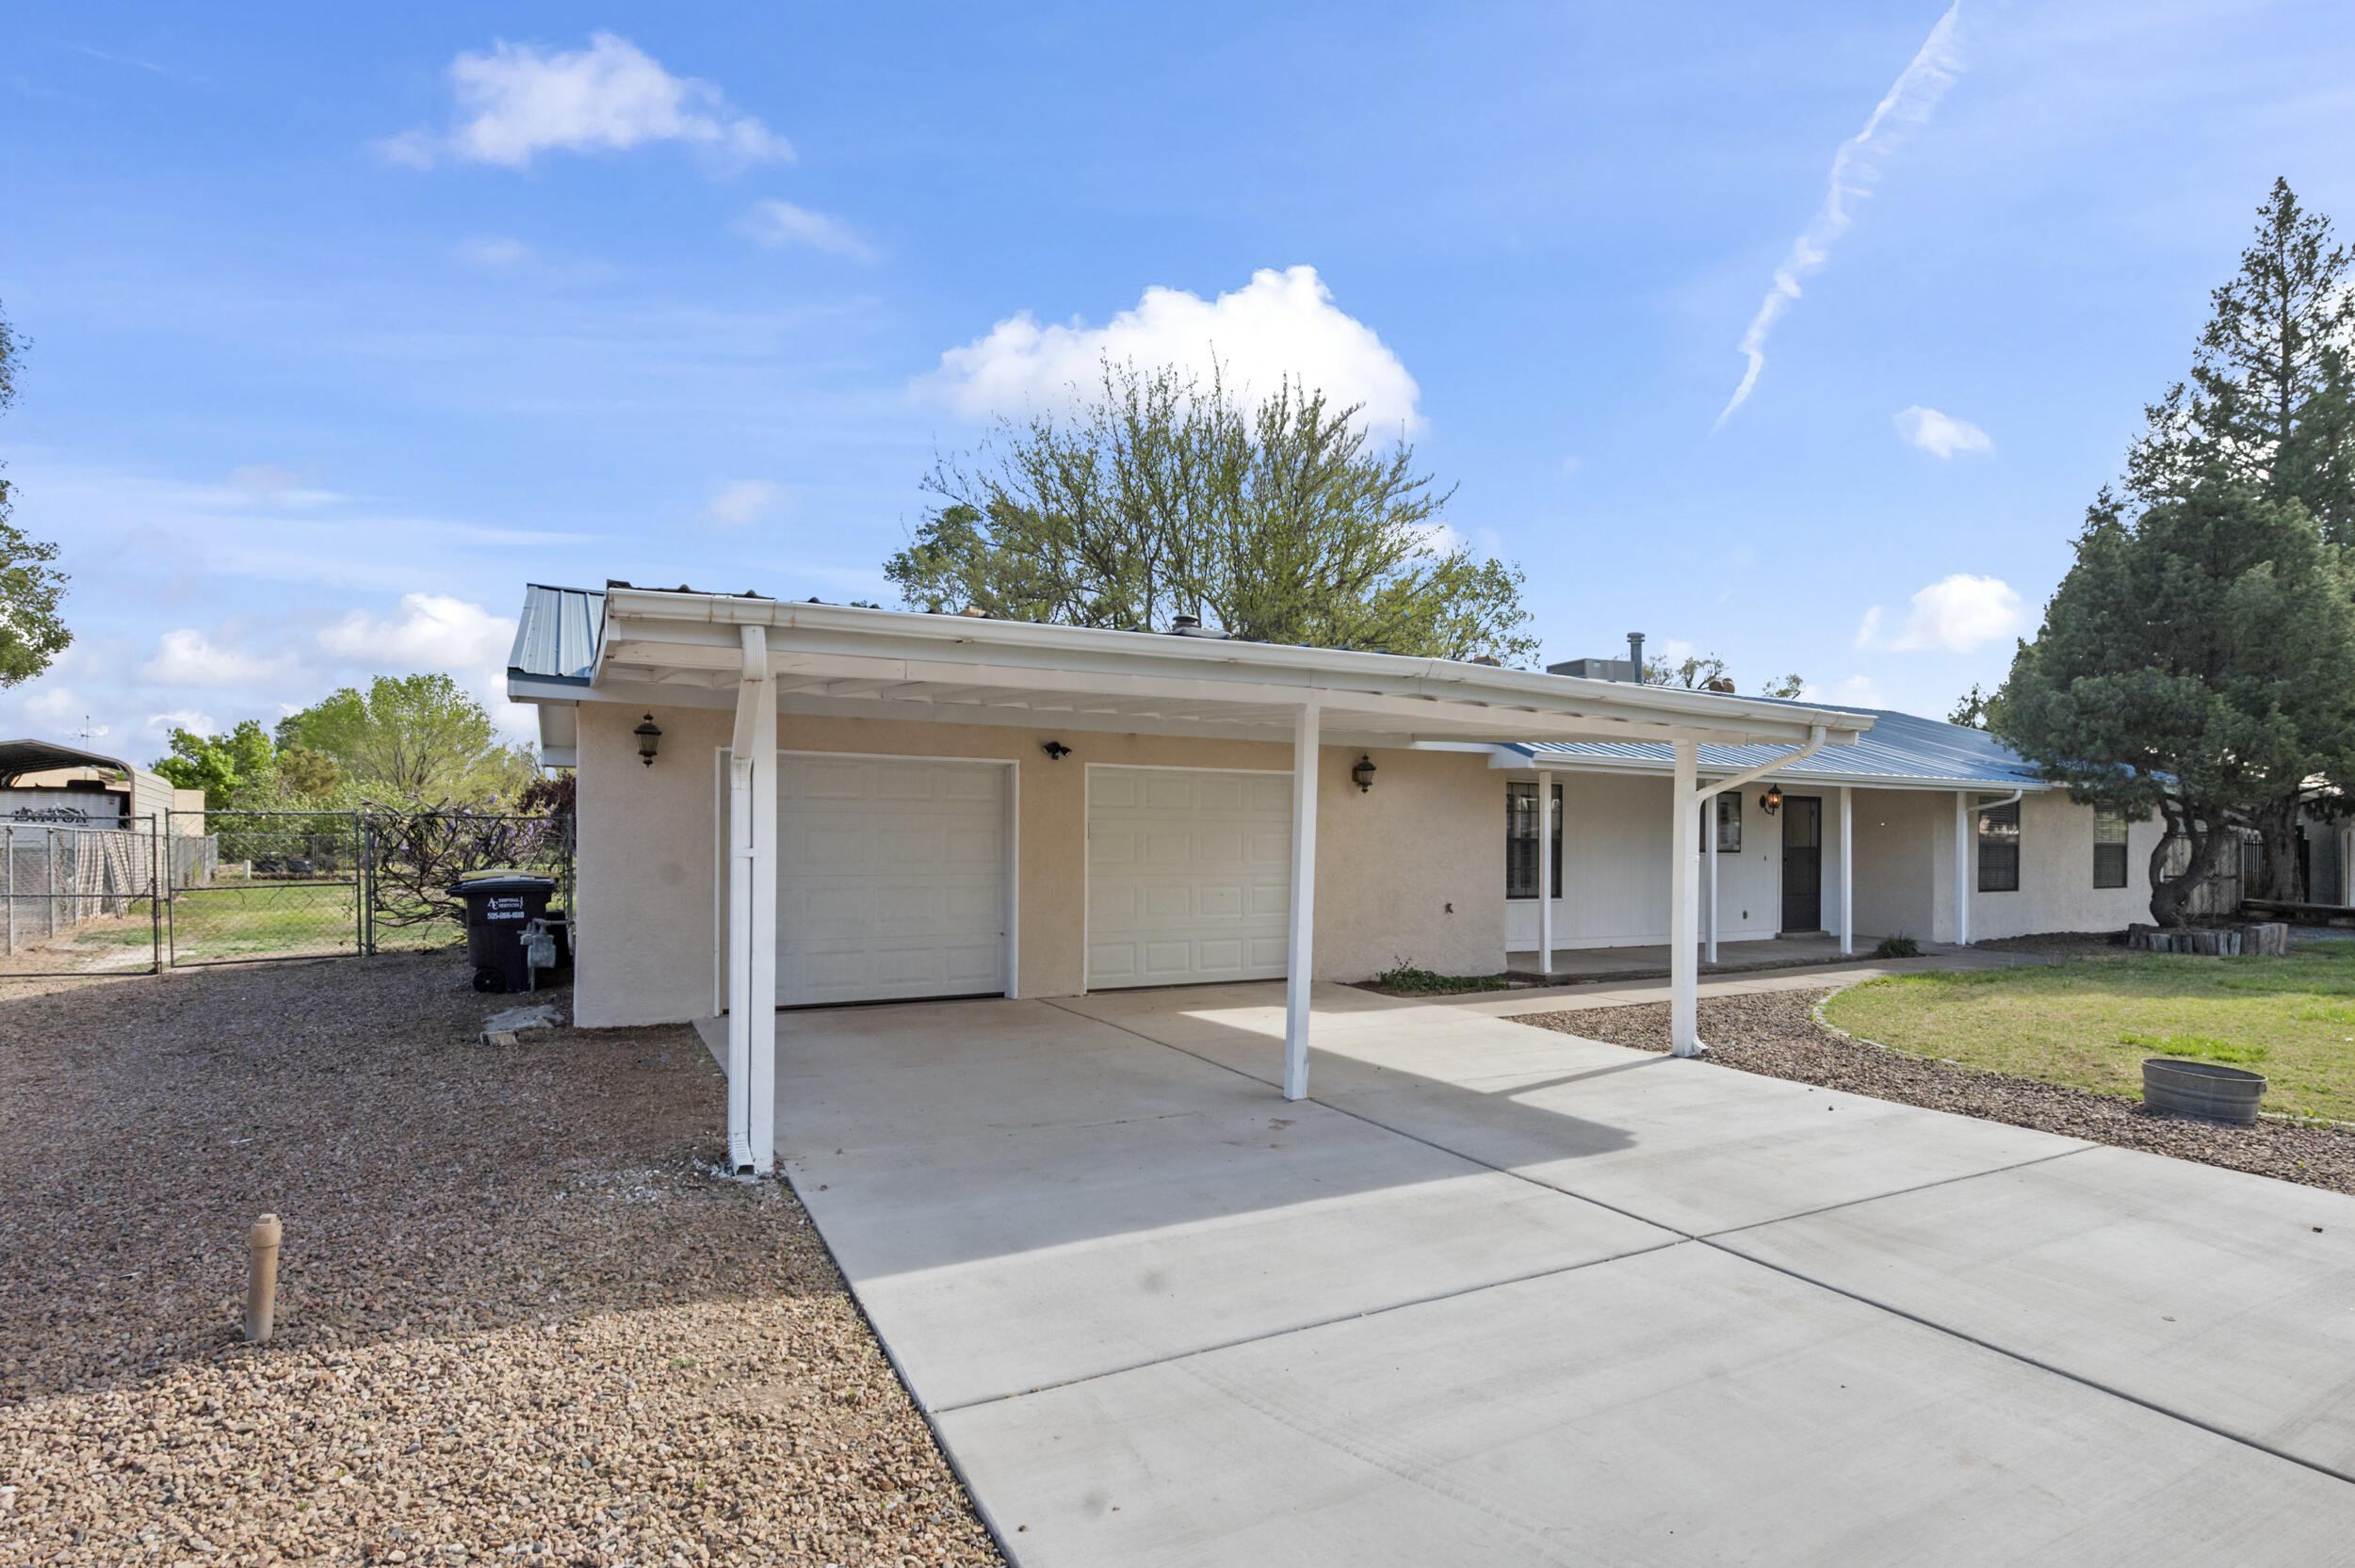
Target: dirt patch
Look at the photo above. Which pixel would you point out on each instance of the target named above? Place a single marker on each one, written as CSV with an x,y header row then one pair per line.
x,y
1775,1034
520,1313
2060,945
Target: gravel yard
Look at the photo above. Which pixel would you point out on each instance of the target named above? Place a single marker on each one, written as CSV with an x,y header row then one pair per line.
x,y
1775,1034
520,1317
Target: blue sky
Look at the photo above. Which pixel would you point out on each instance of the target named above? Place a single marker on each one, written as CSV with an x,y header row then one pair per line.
x,y
347,323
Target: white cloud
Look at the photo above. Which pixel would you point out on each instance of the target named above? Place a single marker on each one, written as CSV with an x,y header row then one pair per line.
x,y
1280,324
743,501
1954,614
189,657
1940,434
430,631
519,101
781,225
1855,168
160,725
496,255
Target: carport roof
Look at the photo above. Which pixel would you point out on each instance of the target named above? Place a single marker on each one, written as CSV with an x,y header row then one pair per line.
x,y
20,757
684,648
1903,751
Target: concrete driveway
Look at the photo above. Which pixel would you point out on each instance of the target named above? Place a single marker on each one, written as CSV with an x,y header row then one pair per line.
x,y
1497,1295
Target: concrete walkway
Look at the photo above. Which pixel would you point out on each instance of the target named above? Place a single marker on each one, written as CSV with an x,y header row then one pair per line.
x,y
1497,1295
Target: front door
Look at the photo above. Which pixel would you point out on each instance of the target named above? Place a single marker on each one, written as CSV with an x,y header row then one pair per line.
x,y
1802,863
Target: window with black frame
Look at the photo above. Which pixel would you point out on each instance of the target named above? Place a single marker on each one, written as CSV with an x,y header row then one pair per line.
x,y
1521,830
1999,847
2109,846
1730,823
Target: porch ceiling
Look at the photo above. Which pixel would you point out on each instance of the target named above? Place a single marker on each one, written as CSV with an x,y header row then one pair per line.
x,y
826,659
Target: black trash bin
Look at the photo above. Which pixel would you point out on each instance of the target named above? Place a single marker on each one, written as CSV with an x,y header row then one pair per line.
x,y
497,909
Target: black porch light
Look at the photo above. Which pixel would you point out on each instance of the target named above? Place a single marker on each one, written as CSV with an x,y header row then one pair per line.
x,y
1362,775
649,736
1056,750
1771,802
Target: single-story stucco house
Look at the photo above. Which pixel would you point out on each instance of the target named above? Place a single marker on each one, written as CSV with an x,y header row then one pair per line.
x,y
793,804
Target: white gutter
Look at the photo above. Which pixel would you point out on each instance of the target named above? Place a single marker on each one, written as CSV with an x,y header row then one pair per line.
x,y
1073,648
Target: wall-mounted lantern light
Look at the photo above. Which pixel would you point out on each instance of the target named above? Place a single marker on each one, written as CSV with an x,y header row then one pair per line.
x,y
1363,774
649,736
1771,802
1056,750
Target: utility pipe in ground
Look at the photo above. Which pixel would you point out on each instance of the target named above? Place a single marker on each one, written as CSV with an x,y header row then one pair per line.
x,y
261,1279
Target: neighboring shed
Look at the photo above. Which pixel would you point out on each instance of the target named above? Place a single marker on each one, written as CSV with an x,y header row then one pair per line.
x,y
43,781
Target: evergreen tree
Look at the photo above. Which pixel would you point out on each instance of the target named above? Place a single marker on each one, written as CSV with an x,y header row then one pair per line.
x,y
2197,660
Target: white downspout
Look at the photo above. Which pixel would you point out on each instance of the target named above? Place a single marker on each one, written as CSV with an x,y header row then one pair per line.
x,y
1966,822
1710,849
1684,881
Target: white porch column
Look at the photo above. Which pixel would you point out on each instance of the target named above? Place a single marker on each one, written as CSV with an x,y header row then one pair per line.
x,y
1709,850
1847,874
1962,867
753,914
1683,894
1545,872
763,865
1302,959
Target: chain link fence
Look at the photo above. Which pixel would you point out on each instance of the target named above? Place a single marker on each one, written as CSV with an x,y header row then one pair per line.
x,y
77,900
220,886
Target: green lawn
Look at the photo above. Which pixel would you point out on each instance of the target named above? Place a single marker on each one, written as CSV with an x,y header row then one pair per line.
x,y
2091,1022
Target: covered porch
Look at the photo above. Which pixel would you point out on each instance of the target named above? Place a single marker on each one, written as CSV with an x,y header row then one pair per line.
x,y
789,675
1818,854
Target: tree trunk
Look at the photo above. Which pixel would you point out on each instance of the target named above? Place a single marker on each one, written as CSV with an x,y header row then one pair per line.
x,y
2208,841
2276,825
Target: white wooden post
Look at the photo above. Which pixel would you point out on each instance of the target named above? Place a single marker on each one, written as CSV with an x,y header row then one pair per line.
x,y
1545,872
753,914
1300,961
1962,867
739,946
1683,894
764,866
1847,874
1709,848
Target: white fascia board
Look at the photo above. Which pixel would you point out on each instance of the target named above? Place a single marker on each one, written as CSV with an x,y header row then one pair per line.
x,y
638,622
1521,762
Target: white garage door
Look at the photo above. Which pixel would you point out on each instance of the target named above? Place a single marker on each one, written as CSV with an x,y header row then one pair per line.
x,y
891,878
1189,876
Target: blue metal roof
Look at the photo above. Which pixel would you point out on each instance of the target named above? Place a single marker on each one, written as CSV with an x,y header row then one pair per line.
x,y
558,634
1901,750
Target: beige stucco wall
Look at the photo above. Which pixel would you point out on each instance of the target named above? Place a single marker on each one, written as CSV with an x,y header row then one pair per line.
x,y
1905,870
1390,862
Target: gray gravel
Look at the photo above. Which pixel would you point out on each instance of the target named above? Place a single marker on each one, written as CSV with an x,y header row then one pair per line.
x,y
520,1315
1775,1034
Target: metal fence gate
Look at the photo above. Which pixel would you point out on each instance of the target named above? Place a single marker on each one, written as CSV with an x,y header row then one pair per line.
x,y
272,884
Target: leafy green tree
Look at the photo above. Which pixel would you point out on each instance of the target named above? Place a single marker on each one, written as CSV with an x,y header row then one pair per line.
x,y
1975,709
227,768
1789,686
2197,659
1159,497
1697,672
32,630
410,740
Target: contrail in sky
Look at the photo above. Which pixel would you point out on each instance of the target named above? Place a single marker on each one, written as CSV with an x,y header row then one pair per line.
x,y
1854,169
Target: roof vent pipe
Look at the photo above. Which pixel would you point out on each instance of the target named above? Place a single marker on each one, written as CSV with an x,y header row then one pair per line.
x,y
1635,656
